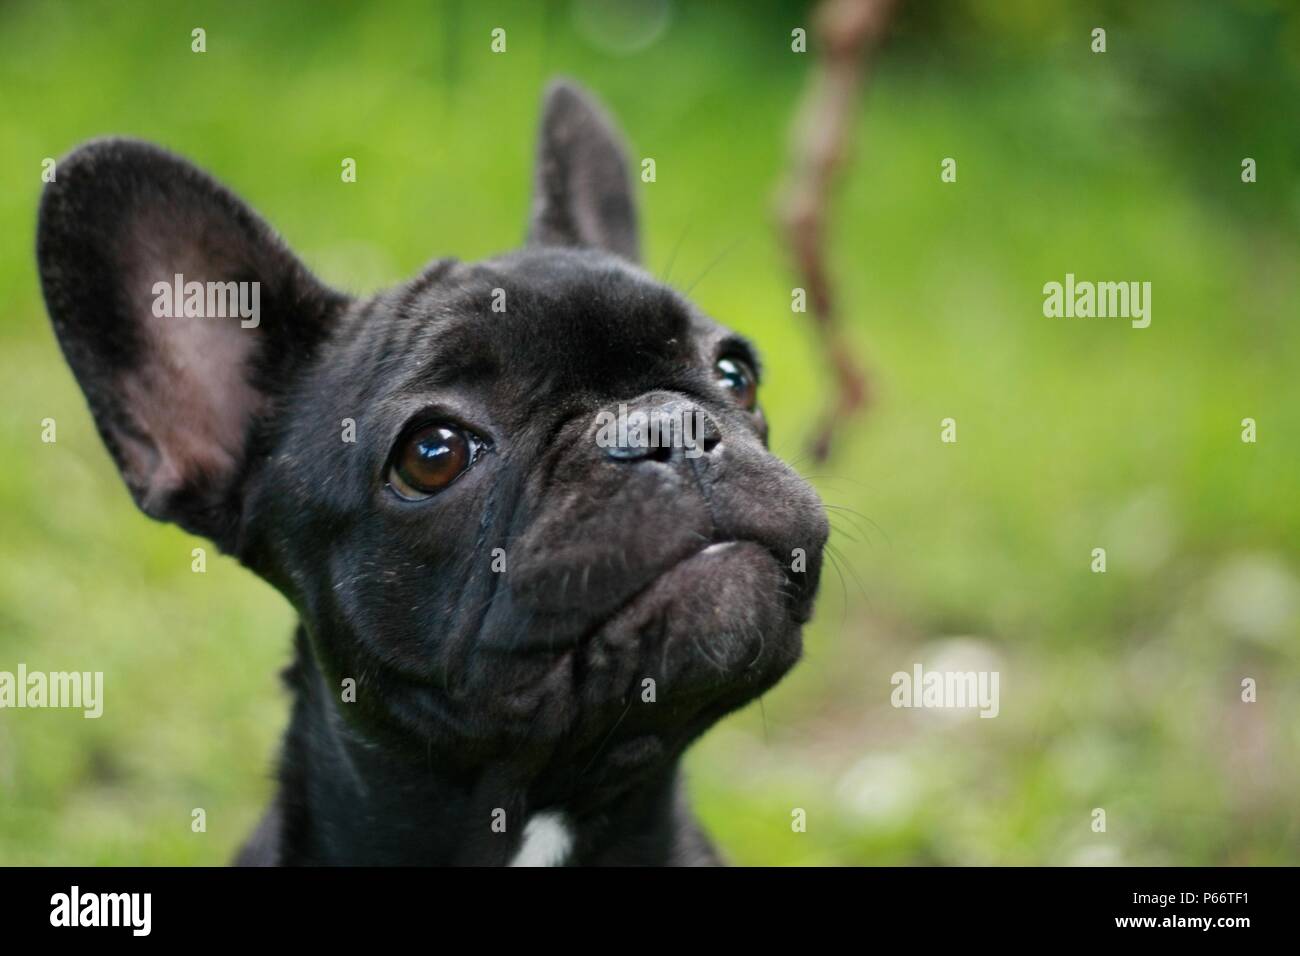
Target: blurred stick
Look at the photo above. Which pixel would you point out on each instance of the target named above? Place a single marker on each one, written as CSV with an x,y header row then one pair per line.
x,y
847,34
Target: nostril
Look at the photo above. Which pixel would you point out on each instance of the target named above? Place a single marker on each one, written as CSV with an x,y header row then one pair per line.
x,y
659,453
664,432
627,452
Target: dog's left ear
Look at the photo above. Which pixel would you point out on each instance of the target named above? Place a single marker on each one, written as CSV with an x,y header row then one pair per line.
x,y
582,195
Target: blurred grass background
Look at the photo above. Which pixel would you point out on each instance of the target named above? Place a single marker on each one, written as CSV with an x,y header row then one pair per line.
x,y
1119,690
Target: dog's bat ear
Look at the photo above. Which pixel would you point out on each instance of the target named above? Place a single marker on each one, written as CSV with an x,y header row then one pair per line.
x,y
177,383
582,195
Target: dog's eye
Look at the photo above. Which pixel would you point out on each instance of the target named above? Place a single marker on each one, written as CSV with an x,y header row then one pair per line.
x,y
430,458
737,377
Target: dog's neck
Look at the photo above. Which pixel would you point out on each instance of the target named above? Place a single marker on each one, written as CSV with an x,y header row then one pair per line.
x,y
345,799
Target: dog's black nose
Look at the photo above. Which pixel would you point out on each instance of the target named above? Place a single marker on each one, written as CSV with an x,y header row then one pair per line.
x,y
671,429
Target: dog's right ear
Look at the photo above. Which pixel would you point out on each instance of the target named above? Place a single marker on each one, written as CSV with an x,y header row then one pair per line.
x,y
177,383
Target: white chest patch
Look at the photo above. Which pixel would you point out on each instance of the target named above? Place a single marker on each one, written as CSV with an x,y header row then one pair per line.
x,y
548,841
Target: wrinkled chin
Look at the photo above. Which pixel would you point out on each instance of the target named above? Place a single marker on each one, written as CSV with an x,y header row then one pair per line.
x,y
704,638
719,624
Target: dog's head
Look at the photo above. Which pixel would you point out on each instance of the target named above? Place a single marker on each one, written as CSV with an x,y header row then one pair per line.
x,y
458,483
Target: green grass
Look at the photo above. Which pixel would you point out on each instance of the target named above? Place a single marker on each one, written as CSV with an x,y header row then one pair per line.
x,y
1119,690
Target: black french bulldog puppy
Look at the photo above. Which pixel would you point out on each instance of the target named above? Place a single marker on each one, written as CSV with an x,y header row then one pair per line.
x,y
510,630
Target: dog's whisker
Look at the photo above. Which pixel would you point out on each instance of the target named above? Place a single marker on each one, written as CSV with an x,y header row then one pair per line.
x,y
762,646
842,532
825,477
850,529
713,264
601,747
844,590
847,511
672,257
695,640
831,549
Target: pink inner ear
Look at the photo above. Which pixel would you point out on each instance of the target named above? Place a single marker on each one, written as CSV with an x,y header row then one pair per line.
x,y
190,393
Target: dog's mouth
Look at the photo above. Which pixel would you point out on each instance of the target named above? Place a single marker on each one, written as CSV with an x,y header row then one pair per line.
x,y
728,610
715,625
705,636
689,577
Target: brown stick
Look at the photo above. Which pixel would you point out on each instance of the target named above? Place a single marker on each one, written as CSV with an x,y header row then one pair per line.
x,y
848,31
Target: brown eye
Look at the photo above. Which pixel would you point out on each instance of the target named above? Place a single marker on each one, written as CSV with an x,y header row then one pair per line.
x,y
737,377
430,458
